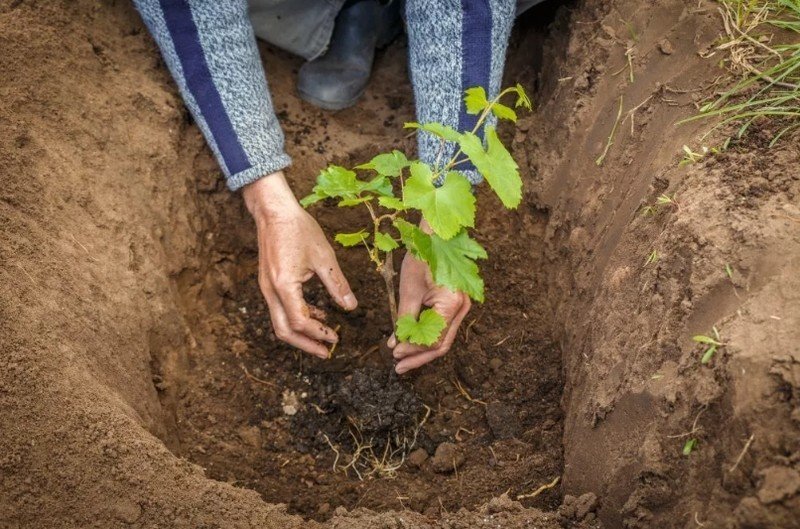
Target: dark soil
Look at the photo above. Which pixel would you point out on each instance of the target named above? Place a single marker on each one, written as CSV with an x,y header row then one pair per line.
x,y
506,421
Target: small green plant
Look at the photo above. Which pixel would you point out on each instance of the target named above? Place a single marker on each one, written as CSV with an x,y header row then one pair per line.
x,y
690,156
689,446
652,257
712,343
663,201
400,188
729,271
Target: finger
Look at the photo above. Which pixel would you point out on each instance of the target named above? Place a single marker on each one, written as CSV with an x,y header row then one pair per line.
x,y
391,342
317,313
452,331
298,314
410,301
405,349
332,277
304,343
413,362
280,324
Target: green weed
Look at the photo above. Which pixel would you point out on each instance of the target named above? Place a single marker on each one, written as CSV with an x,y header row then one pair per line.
x,y
713,345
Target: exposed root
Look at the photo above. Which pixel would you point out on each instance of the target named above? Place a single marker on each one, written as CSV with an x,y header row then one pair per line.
x,y
540,489
365,462
256,379
464,393
694,429
743,452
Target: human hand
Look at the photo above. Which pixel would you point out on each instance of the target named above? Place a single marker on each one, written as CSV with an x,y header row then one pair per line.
x,y
291,250
417,289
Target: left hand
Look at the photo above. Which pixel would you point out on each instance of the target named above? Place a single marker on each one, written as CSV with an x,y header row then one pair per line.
x,y
417,289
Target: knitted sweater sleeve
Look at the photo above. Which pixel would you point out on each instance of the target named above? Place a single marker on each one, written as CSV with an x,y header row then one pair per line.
x,y
210,49
455,45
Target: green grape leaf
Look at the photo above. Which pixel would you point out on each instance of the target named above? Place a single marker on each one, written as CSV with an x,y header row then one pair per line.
x,y
504,112
385,243
453,264
348,202
475,100
437,129
313,198
380,185
425,331
336,181
351,239
388,164
496,165
415,240
391,203
522,98
447,208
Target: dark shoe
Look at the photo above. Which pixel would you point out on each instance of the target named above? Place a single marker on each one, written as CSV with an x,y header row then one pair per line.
x,y
338,79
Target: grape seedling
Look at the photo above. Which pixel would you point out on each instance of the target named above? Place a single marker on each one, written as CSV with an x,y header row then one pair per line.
x,y
441,194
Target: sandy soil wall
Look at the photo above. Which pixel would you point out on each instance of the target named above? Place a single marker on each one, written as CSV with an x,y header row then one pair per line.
x,y
98,215
636,389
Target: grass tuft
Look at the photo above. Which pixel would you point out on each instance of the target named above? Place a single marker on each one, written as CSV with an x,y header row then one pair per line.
x,y
762,42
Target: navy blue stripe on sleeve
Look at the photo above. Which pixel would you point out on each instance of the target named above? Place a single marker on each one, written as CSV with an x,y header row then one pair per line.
x,y
185,38
476,56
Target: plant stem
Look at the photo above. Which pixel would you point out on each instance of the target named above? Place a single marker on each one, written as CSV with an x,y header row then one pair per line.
x,y
385,267
387,272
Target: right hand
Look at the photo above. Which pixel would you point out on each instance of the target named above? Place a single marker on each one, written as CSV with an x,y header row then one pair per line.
x,y
291,250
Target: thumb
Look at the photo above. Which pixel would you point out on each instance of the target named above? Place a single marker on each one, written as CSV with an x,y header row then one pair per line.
x,y
412,291
332,277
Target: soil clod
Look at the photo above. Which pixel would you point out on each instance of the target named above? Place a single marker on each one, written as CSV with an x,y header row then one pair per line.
x,y
448,458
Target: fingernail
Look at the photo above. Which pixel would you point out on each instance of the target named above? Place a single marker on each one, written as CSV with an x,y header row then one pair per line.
x,y
349,301
391,342
400,370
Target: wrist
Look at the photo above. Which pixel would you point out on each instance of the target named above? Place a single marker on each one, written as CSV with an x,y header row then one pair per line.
x,y
270,195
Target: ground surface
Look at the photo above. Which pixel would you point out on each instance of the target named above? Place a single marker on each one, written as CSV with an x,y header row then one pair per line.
x,y
141,385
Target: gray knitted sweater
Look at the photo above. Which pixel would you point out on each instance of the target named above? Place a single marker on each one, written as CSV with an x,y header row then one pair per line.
x,y
210,49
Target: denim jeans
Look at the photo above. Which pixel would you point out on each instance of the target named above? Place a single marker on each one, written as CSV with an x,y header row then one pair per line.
x,y
304,27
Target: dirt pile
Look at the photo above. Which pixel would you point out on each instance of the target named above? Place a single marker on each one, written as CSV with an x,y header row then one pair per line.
x,y
141,384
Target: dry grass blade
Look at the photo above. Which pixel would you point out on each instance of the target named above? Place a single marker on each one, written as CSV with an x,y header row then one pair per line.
x,y
464,393
610,140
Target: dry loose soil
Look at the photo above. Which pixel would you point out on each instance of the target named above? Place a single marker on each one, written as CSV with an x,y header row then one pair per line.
x,y
141,384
